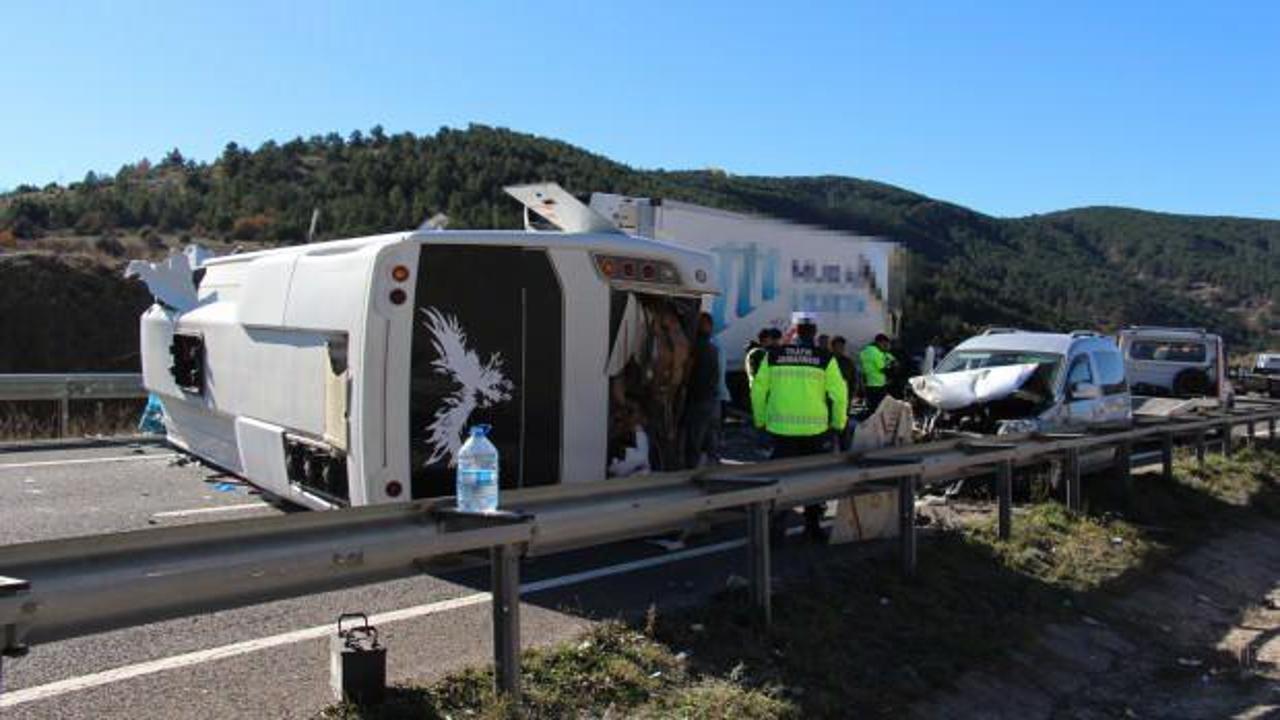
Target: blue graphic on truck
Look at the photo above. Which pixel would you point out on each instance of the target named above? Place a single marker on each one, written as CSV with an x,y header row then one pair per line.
x,y
820,287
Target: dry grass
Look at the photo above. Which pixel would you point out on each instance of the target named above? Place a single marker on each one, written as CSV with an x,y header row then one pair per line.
x,y
613,671
1066,549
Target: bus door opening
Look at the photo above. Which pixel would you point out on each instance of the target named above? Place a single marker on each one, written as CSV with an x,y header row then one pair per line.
x,y
651,352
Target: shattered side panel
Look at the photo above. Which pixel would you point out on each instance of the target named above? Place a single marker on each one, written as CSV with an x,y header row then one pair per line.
x,y
170,281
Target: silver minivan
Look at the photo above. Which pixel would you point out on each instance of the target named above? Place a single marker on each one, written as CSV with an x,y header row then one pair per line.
x,y
1012,381
1176,362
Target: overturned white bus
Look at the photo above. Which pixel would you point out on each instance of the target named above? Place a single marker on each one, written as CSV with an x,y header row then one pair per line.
x,y
347,372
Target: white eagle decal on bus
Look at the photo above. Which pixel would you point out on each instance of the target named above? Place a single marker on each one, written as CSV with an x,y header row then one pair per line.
x,y
480,385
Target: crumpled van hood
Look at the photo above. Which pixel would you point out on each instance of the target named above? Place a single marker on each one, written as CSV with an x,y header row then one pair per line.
x,y
963,388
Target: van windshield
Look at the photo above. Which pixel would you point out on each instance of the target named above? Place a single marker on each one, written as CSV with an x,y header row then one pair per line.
x,y
975,359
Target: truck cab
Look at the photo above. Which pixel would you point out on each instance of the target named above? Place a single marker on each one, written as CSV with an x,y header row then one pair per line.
x,y
1267,363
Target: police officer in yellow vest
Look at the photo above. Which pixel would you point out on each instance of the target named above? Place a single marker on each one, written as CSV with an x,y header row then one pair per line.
x,y
875,360
799,397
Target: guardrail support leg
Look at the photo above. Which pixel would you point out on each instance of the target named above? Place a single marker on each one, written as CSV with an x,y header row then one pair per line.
x,y
758,546
1200,443
1124,452
1250,431
1166,456
1271,428
1004,489
907,523
10,645
1226,440
64,416
505,568
1072,470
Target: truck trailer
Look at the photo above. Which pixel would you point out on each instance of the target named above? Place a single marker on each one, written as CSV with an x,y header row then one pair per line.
x,y
767,269
346,373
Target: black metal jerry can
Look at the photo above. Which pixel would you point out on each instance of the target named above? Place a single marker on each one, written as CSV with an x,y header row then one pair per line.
x,y
358,663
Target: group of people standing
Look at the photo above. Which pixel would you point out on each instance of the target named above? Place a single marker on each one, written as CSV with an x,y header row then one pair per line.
x,y
804,393
801,392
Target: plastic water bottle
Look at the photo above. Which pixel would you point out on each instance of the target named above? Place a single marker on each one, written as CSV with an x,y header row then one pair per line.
x,y
477,486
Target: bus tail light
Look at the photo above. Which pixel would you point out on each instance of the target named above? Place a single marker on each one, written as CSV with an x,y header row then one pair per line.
x,y
394,488
630,269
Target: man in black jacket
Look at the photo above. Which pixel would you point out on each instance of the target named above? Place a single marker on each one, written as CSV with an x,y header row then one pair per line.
x,y
702,400
758,350
849,370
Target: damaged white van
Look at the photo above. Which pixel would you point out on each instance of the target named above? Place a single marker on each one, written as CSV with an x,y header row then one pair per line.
x,y
347,372
1011,381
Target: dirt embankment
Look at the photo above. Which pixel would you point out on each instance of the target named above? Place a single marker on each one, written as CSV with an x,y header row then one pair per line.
x,y
67,313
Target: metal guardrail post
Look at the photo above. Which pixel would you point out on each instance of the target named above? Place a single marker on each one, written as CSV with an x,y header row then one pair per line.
x,y
1271,428
1072,470
1226,439
1200,448
11,644
761,566
1004,489
907,523
1250,432
505,571
64,413
1166,456
1124,453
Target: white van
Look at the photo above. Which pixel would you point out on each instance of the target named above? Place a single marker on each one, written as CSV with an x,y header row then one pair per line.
x,y
1011,381
1176,362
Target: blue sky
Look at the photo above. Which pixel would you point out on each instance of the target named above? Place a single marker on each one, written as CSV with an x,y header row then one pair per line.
x,y
1008,107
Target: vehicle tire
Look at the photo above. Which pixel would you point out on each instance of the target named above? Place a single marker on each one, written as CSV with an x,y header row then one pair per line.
x,y
1190,382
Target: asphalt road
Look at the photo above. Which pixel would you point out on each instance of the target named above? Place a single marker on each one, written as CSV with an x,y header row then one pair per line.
x,y
271,660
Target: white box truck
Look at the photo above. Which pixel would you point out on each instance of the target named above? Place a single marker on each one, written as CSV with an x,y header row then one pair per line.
x,y
768,268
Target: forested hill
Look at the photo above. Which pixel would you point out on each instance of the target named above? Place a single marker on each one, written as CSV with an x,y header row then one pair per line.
x,y
1085,268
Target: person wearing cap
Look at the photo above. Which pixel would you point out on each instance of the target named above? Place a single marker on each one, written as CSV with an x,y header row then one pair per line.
x,y
874,361
759,348
848,370
799,397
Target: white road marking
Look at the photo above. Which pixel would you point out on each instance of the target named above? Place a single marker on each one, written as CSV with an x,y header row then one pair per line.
x,y
632,566
207,510
128,672
86,461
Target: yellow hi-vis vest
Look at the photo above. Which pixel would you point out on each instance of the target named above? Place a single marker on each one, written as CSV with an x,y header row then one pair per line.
x,y
799,391
874,361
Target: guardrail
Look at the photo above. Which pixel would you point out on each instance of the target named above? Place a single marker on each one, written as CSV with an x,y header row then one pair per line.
x,y
65,388
66,588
